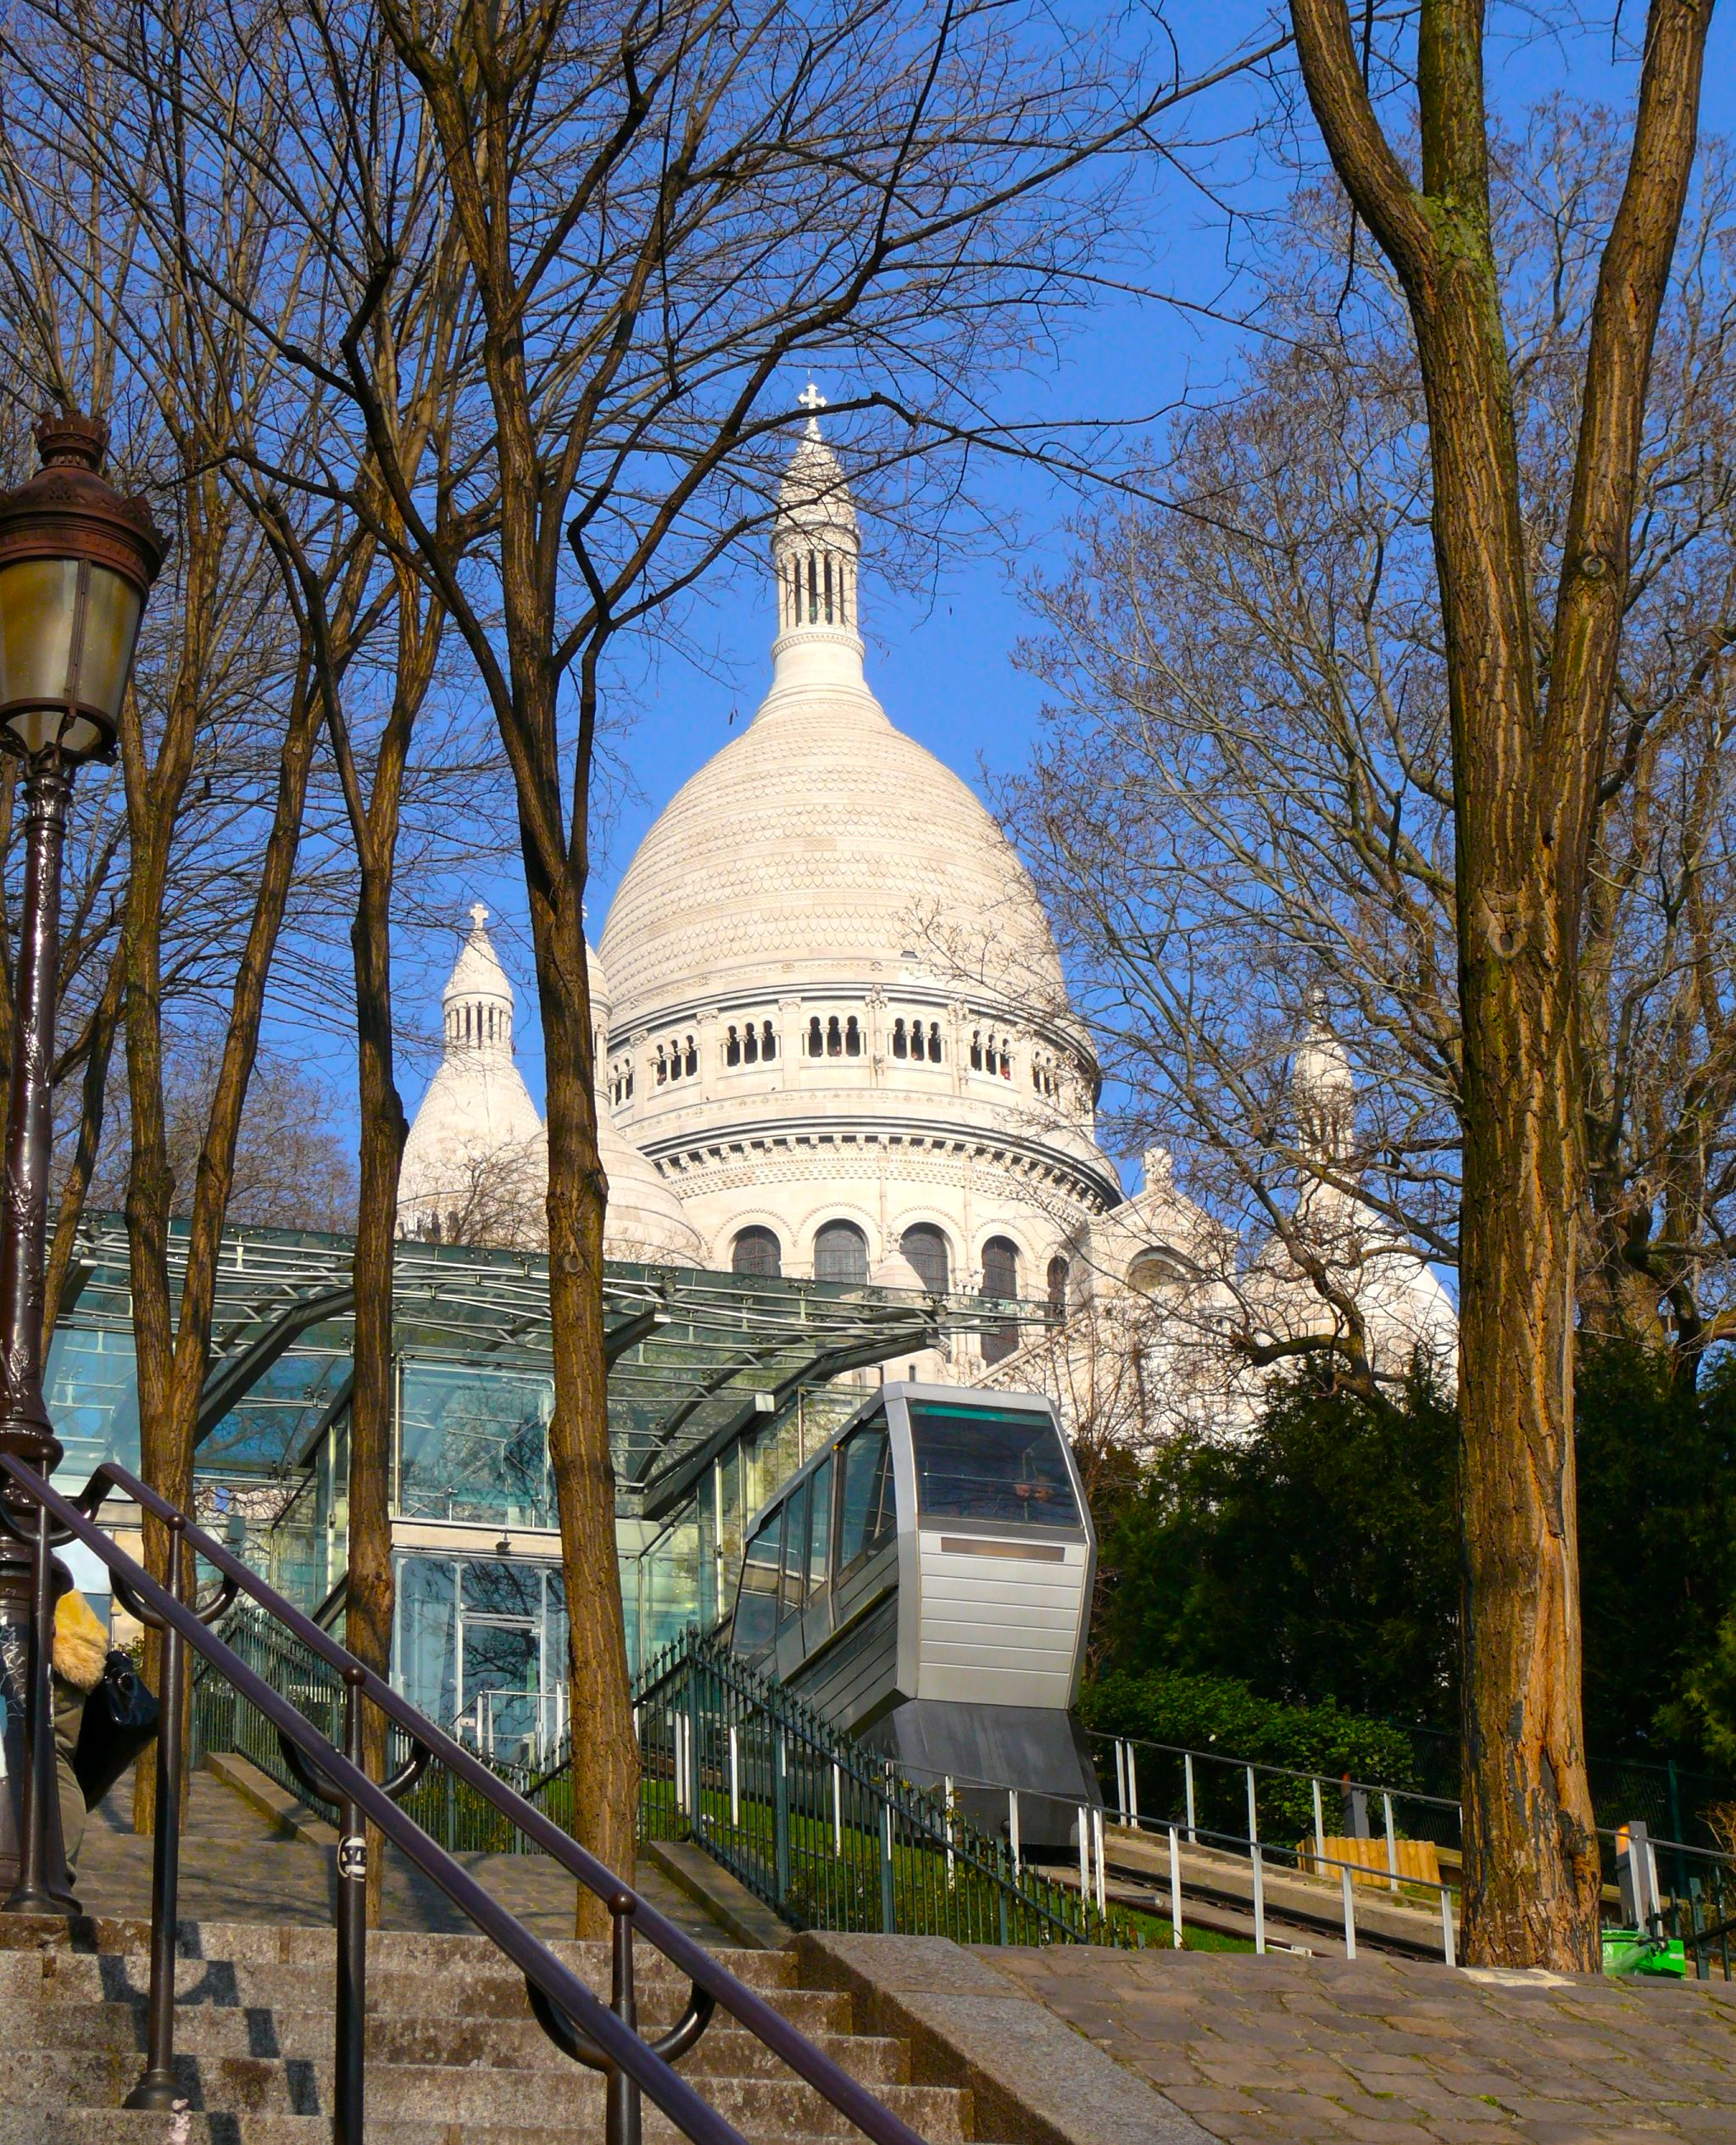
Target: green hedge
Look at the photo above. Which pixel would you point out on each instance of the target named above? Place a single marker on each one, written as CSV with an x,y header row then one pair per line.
x,y
1216,1713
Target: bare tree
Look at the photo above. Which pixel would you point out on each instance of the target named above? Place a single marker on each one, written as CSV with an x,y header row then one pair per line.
x,y
655,211
1449,824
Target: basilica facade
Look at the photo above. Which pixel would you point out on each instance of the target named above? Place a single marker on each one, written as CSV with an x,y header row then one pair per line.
x,y
833,1036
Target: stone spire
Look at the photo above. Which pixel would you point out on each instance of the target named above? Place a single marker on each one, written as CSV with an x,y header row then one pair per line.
x,y
1323,1092
477,1000
815,550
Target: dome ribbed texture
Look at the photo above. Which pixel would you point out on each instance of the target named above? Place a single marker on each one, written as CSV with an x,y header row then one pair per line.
x,y
821,846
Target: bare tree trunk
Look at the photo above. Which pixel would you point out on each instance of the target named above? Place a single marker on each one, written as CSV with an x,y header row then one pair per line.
x,y
99,1047
606,1786
1525,769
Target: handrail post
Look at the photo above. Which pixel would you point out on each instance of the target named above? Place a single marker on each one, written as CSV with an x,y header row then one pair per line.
x,y
42,1886
1350,1912
622,2114
1319,1831
1176,1889
1187,1774
350,2054
157,2088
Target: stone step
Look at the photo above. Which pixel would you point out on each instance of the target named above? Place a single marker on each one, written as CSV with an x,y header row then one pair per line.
x,y
470,1990
128,2127
762,2108
293,1944
205,2029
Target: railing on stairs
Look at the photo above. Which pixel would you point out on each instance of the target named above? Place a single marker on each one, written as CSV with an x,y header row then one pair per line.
x,y
592,2033
825,1833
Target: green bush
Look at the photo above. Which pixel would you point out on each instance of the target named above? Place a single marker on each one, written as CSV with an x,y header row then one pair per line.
x,y
1210,1714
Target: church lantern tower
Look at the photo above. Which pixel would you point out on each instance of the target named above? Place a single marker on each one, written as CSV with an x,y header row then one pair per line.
x,y
816,549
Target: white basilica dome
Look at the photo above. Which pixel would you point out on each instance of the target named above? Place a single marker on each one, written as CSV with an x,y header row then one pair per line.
x,y
840,1025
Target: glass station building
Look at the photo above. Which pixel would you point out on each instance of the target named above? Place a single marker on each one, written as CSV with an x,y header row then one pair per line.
x,y
720,1385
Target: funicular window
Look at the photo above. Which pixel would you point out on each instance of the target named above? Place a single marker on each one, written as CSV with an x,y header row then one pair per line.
x,y
991,1464
795,1553
756,1604
820,1528
866,1517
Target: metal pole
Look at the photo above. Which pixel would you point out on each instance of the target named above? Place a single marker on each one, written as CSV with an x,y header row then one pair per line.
x,y
1176,1888
781,1818
158,2088
887,1904
735,1779
1448,1950
1319,1831
351,2053
952,1870
1097,1829
838,1808
1252,1814
1132,1784
1258,1865
1392,1847
1188,1772
1013,1826
31,1830
1084,1852
621,2109
1350,1913
1121,1778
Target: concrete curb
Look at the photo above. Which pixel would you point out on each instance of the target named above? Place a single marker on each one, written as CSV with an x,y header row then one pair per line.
x,y
726,1898
294,1820
1033,2079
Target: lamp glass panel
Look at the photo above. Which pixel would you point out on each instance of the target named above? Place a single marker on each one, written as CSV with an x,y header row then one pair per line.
x,y
111,621
38,602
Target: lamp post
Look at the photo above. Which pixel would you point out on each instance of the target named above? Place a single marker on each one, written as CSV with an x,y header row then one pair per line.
x,y
77,563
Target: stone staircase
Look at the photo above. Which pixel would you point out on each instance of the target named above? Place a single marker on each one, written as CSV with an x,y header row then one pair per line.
x,y
454,2057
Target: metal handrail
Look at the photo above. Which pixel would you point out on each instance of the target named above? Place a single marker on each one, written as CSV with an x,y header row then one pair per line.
x,y
609,2036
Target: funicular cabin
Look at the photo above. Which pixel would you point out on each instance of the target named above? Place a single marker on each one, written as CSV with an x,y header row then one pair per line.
x,y
924,1581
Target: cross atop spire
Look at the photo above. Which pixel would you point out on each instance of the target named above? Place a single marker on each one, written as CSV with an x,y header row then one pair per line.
x,y
810,400
479,916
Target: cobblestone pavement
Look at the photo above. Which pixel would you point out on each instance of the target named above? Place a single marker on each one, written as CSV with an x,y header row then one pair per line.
x,y
1382,2052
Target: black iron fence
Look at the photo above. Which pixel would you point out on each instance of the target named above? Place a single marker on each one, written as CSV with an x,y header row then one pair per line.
x,y
825,1833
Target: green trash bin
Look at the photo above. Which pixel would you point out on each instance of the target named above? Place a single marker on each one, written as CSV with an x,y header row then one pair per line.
x,y
1632,1951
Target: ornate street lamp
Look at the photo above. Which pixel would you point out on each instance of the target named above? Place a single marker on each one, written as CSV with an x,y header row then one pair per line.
x,y
77,563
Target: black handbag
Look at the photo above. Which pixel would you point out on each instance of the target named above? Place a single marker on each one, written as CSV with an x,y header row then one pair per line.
x,y
119,1719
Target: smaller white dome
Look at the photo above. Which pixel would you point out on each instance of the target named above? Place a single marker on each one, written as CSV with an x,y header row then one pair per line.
x,y
476,1163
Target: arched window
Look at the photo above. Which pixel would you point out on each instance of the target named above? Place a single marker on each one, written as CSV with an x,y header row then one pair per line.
x,y
828,588
918,1048
840,1253
1058,1275
1006,1063
834,1037
732,1048
1000,1268
975,1049
662,1066
900,1040
923,1245
750,1043
852,1036
816,1038
757,1252
934,1042
693,1057
768,1042
1000,1280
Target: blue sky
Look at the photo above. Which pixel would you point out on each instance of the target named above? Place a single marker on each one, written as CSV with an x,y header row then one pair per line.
x,y
940,657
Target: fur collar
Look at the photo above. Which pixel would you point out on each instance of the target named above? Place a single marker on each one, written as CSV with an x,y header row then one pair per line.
x,y
80,1643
